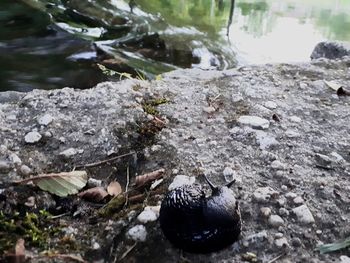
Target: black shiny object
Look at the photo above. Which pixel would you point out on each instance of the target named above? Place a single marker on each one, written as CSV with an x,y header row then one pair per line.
x,y
196,223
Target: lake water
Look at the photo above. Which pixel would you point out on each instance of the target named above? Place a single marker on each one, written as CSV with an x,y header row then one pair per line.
x,y
57,43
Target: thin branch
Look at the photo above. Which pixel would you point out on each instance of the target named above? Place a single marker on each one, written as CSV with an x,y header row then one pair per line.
x,y
106,160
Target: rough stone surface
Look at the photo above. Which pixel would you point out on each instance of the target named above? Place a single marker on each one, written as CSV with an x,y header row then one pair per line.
x,y
107,121
276,220
303,214
137,233
254,121
330,50
32,137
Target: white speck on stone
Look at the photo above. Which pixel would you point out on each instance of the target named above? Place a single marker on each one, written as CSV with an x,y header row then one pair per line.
x,y
295,119
137,233
95,245
264,194
298,200
148,215
156,183
281,242
181,180
275,220
68,153
265,140
303,214
254,121
45,119
270,105
32,137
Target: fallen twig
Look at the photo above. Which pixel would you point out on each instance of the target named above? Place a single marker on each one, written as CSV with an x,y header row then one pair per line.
x,y
128,251
144,179
106,161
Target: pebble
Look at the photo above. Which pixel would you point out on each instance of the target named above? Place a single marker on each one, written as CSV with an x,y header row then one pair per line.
x,y
137,233
295,119
298,200
292,134
228,174
275,220
344,259
270,105
277,165
265,211
303,214
284,188
32,137
181,180
95,245
291,195
25,170
15,159
281,242
265,140
4,166
283,211
45,119
68,153
30,201
264,194
148,215
209,109
254,239
254,121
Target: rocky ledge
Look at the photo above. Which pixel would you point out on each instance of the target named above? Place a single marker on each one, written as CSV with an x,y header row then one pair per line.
x,y
281,130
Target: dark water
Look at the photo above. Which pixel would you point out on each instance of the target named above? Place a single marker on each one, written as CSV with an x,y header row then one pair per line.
x,y
58,43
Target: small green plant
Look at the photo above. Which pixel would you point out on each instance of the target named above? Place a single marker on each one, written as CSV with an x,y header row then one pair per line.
x,y
149,106
326,248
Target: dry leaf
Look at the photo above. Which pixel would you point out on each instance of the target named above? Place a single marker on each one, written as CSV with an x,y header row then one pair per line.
x,y
61,184
114,188
149,177
333,85
95,194
19,256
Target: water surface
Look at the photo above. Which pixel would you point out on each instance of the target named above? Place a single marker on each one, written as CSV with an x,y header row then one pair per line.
x,y
57,43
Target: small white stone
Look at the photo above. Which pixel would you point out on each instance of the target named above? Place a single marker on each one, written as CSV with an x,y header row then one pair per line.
x,y
270,105
281,242
344,259
68,153
45,119
137,233
147,215
181,180
283,211
275,220
292,134
209,109
25,170
295,119
265,140
32,137
298,200
254,121
264,194
284,188
303,214
291,195
318,232
95,245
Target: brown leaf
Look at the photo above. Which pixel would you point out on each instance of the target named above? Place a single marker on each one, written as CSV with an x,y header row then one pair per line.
x,y
114,188
95,194
19,256
148,177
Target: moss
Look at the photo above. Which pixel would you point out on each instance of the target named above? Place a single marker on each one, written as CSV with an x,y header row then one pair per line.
x,y
149,106
113,206
36,229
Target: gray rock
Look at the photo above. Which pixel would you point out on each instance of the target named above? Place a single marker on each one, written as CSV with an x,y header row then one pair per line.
x,y
265,211
25,170
298,200
181,180
344,259
68,153
281,242
275,220
270,105
303,214
278,165
254,121
137,233
15,159
330,50
45,119
4,166
32,137
264,194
